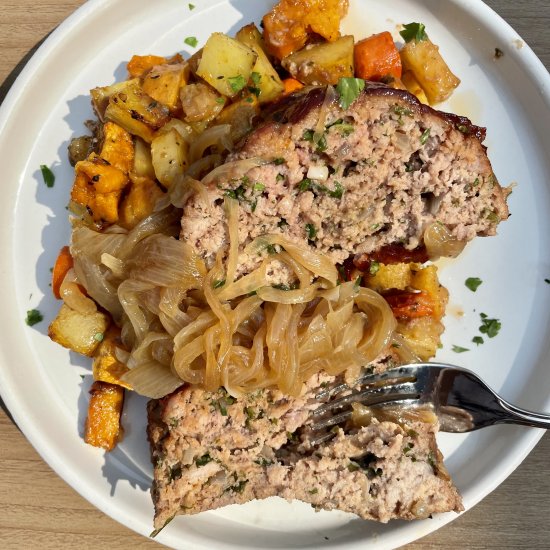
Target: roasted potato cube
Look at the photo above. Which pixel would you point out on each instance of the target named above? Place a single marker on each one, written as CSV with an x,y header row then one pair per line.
x,y
139,202
426,279
101,95
422,57
288,25
422,335
388,276
264,77
226,64
137,112
140,64
412,86
239,116
323,63
143,165
80,332
163,83
200,103
117,147
98,187
169,156
103,428
106,367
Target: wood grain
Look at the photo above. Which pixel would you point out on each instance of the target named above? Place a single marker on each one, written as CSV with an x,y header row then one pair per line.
x,y
40,511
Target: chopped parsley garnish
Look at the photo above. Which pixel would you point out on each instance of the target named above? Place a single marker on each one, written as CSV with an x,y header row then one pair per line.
x,y
374,267
191,6
309,185
236,83
259,186
278,161
47,175
473,283
547,281
255,77
311,231
220,100
203,460
271,249
478,340
460,349
313,491
239,487
191,41
305,184
263,461
414,31
218,284
286,288
33,316
490,327
98,336
349,89
425,135
345,128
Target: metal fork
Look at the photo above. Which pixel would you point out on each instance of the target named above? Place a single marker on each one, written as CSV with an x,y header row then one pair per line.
x,y
459,398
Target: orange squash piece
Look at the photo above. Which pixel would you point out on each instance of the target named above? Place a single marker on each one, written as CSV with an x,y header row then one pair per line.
x,y
377,57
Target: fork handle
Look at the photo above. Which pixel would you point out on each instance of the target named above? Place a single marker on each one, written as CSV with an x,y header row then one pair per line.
x,y
516,415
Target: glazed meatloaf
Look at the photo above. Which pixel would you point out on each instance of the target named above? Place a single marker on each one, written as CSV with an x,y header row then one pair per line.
x,y
210,450
350,181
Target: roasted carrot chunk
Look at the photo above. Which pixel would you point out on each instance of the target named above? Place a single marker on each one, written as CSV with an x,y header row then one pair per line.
x,y
103,428
63,263
377,57
407,305
291,85
140,64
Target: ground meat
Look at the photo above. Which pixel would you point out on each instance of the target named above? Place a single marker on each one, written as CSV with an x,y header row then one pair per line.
x,y
381,172
210,450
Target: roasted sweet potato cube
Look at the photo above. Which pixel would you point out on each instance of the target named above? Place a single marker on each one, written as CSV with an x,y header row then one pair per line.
x,y
117,147
103,428
98,187
80,332
163,83
140,64
139,202
106,366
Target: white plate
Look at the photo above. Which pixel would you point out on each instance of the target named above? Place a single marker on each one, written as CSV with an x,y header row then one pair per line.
x,y
41,383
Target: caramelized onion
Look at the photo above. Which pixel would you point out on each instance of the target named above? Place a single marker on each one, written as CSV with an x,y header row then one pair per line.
x,y
440,242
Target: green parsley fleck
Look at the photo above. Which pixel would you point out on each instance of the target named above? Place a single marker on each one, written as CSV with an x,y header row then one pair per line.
x,y
191,7
255,77
259,186
203,460
278,161
547,281
47,175
271,249
98,336
425,135
311,231
477,340
313,491
218,283
414,31
237,83
337,192
33,316
374,267
191,41
473,283
490,327
459,349
304,185
349,90
220,100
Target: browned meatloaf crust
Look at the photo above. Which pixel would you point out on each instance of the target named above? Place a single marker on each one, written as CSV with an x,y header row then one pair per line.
x,y
210,450
394,166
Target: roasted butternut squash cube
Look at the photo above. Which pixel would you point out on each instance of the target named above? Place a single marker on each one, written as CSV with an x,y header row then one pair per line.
x,y
163,83
106,366
426,279
80,332
103,428
390,276
98,187
140,201
140,64
117,147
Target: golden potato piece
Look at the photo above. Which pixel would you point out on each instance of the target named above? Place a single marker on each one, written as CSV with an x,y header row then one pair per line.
x,y
101,95
422,335
80,332
323,63
103,428
169,156
139,202
390,276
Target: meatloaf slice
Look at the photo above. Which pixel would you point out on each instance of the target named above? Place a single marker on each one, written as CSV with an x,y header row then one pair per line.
x,y
347,181
210,450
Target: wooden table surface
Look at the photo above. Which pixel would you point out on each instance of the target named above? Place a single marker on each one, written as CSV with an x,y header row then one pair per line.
x,y
38,510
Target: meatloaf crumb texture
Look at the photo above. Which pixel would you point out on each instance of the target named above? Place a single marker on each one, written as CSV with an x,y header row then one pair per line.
x,y
379,173
210,450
